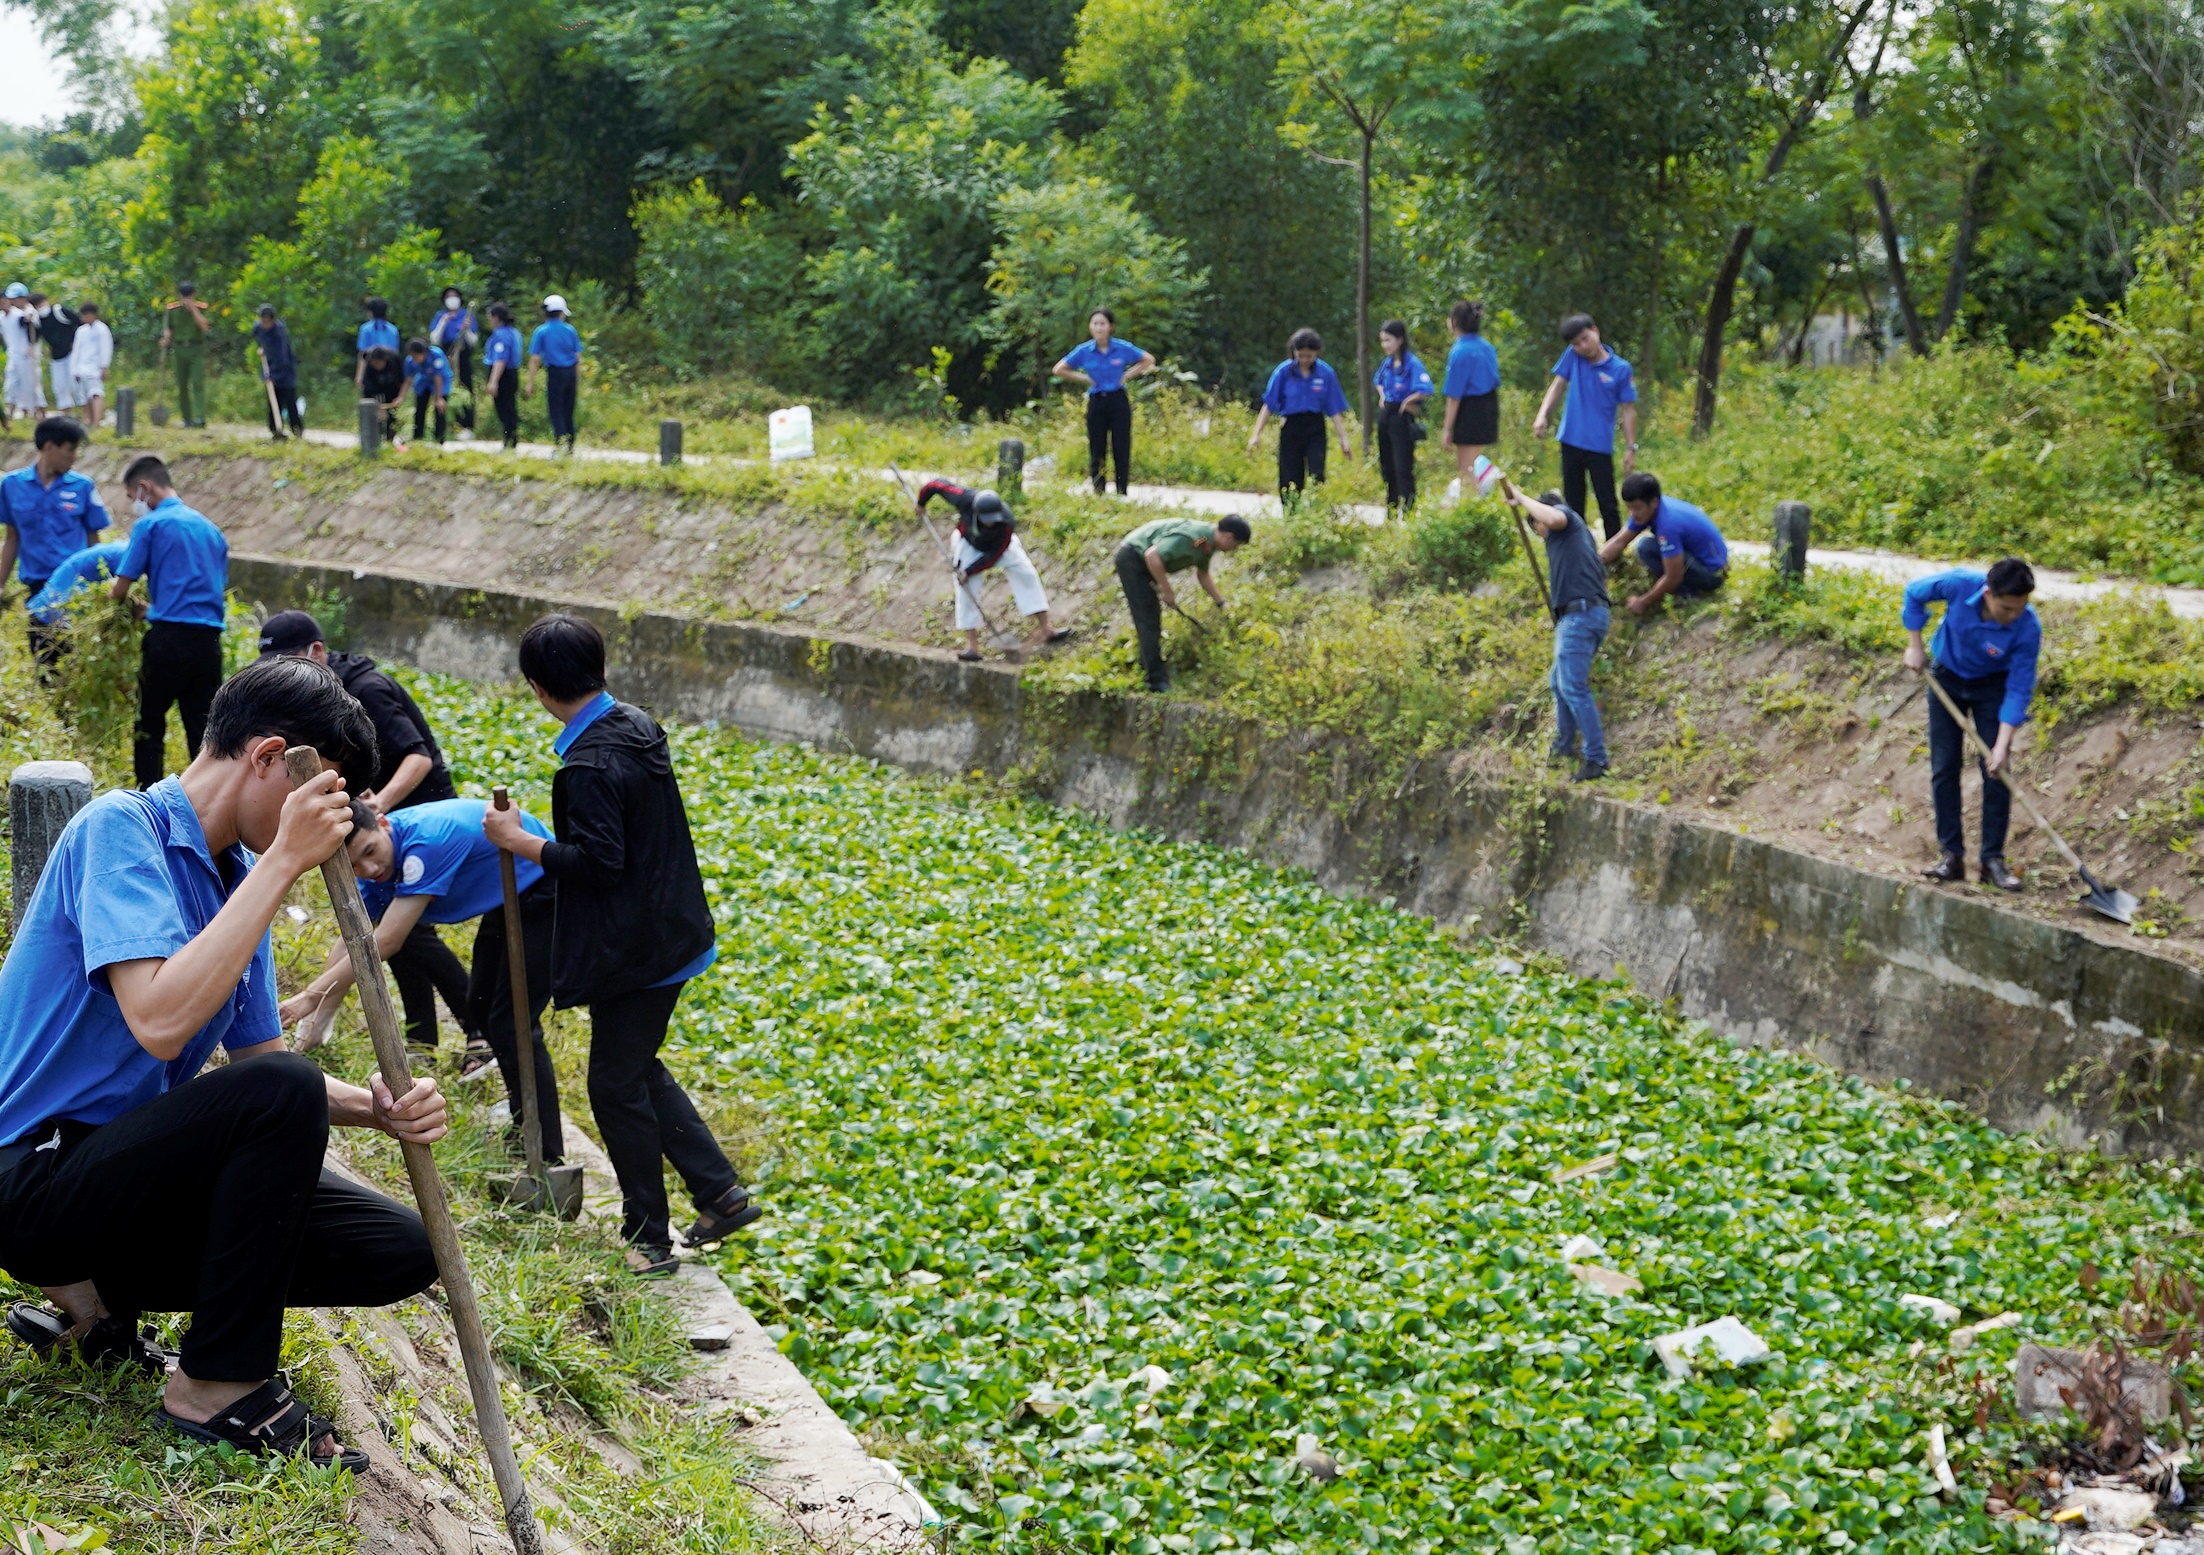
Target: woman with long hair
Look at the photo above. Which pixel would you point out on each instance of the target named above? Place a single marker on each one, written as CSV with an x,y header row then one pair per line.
x,y
1403,384
1472,389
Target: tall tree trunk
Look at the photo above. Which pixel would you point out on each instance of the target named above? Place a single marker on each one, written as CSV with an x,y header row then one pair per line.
x,y
1720,302
1970,229
1362,293
1886,222
1649,353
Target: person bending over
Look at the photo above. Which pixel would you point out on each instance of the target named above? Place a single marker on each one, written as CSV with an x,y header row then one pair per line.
x,y
987,540
1678,545
129,1181
1577,582
1148,556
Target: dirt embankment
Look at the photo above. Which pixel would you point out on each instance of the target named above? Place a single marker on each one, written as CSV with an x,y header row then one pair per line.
x,y
1794,741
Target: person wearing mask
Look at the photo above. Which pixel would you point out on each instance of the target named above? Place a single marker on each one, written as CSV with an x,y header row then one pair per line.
x,y
1403,384
1601,390
431,376
632,928
26,396
185,562
1577,585
90,358
57,327
452,332
383,380
50,513
1145,560
185,326
1105,364
556,347
502,355
376,331
1304,392
1472,422
279,370
1680,547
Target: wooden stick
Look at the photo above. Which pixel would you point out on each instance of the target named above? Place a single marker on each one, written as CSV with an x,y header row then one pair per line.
x,y
524,1036
304,762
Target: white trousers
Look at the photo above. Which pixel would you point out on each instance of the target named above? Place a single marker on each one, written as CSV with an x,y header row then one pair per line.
x,y
24,391
65,385
1016,566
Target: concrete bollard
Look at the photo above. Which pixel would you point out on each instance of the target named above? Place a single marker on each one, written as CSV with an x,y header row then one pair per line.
x,y
1010,467
371,428
1793,533
126,412
42,795
669,442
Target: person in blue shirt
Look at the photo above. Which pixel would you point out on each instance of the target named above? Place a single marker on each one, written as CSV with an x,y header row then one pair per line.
x,y
1601,389
452,332
430,374
502,356
185,562
377,331
556,347
279,369
1472,390
1104,365
1403,384
1678,545
129,1181
432,864
1985,657
633,927
1304,392
51,513
49,607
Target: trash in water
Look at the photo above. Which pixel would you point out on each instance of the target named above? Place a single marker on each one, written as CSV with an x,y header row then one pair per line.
x,y
1734,1344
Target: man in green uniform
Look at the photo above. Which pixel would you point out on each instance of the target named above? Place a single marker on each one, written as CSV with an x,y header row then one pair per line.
x,y
184,330
1145,562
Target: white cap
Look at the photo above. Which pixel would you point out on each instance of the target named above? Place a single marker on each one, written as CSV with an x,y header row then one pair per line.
x,y
554,303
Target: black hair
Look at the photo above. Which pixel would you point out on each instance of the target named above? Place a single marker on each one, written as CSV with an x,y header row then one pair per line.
x,y
456,292
1574,325
302,702
501,313
57,429
378,354
1398,329
1105,313
266,310
1554,499
1305,340
417,347
1638,486
147,467
87,307
2011,576
1237,527
377,307
35,298
186,289
1468,317
565,655
363,819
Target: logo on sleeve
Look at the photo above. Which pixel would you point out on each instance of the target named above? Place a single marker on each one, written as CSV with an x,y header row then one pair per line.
x,y
414,869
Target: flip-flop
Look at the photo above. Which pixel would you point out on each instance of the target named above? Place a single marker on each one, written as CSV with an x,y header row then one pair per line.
x,y
270,1421
479,1062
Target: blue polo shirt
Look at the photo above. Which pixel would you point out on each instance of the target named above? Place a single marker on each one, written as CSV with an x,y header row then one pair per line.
x,y
1972,645
1685,530
432,374
1106,365
50,522
130,879
50,605
185,563
378,332
449,329
1396,381
1289,393
1597,390
440,852
503,349
556,342
1472,367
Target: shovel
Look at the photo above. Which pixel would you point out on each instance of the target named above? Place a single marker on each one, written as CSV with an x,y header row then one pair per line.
x,y
2104,900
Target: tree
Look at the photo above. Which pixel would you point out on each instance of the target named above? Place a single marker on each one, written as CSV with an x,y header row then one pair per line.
x,y
1878,190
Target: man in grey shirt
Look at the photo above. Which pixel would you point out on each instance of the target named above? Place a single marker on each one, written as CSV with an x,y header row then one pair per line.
x,y
1577,579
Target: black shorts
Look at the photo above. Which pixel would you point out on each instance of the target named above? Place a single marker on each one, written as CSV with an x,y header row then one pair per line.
x,y
1477,420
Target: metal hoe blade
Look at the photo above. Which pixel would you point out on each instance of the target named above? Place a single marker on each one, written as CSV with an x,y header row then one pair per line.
x,y
2108,900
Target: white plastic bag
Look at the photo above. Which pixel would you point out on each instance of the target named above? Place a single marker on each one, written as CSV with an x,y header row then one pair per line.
x,y
789,433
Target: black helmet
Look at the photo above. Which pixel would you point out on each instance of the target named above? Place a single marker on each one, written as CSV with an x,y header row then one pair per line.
x,y
987,506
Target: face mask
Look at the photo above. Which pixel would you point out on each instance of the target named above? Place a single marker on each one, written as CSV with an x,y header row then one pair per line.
x,y
138,509
451,303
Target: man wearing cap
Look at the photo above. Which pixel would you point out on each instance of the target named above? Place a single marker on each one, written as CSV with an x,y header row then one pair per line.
x,y
279,367
19,333
185,562
987,537
50,512
557,349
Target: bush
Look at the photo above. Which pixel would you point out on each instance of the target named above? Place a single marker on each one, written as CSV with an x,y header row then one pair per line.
x,y
1462,545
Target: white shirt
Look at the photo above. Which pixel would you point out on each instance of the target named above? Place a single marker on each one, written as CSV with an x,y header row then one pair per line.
x,y
19,326
94,351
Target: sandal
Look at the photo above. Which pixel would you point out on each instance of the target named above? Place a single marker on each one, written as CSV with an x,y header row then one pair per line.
x,y
1061,634
733,1211
270,1421
478,1062
109,1342
650,1262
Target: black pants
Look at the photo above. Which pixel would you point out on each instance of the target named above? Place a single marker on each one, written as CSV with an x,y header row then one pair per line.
x,y
48,643
286,399
211,1199
558,391
463,365
1301,451
423,968
178,666
1145,606
1396,440
507,402
421,404
1578,464
1110,430
1980,698
490,1005
645,1117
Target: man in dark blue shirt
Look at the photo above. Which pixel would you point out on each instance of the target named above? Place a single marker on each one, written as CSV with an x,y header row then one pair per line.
x,y
185,562
1680,546
1986,652
279,367
556,346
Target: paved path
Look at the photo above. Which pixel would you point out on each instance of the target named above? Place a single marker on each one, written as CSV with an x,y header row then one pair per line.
x,y
2188,603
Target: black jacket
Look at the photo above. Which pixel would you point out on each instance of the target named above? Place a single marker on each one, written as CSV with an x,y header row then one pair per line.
x,y
59,330
400,730
991,540
631,899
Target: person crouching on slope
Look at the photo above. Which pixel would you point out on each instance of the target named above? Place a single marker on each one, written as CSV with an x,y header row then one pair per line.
x,y
987,538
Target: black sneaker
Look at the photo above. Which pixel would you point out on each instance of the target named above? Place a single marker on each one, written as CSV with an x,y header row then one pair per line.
x,y
1590,771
